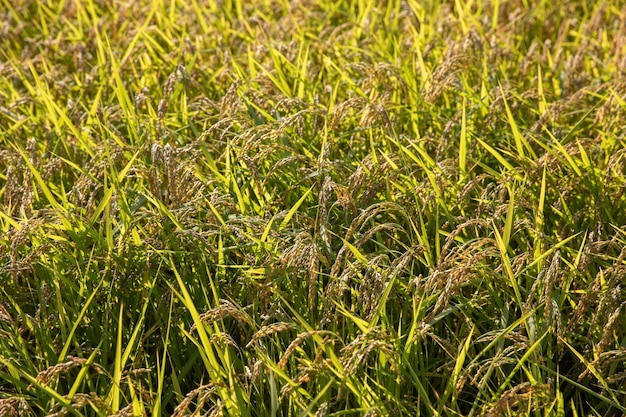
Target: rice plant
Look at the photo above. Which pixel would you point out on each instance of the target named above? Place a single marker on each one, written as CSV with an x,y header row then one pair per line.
x,y
312,208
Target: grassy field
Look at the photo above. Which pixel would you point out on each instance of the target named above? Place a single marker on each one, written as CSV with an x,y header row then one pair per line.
x,y
312,208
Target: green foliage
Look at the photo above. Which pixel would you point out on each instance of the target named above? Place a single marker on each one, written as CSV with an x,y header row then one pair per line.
x,y
312,208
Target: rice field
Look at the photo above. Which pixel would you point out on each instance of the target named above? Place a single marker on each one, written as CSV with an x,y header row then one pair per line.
x,y
312,208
